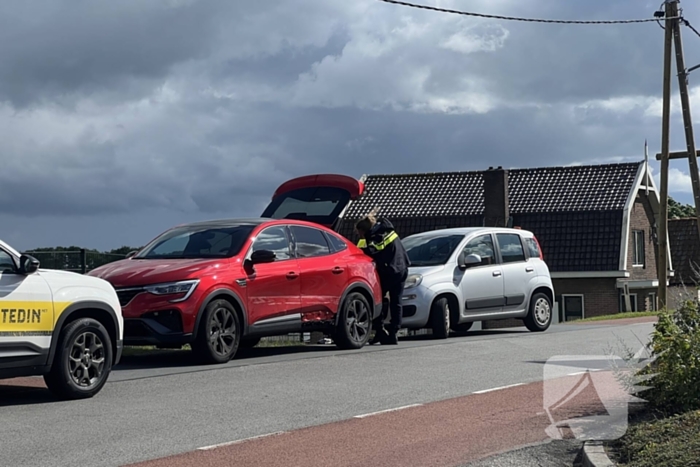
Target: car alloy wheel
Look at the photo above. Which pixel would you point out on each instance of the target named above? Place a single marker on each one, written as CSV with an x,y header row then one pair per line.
x,y
358,323
87,359
83,360
354,322
222,331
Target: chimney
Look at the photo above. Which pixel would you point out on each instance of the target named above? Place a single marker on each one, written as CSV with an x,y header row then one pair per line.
x,y
496,208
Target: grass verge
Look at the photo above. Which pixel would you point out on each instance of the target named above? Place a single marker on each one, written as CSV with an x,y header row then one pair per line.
x,y
668,442
627,315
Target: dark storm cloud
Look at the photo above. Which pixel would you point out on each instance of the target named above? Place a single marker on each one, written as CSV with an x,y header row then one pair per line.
x,y
53,50
201,108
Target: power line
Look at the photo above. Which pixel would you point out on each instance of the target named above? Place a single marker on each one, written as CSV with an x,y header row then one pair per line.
x,y
687,23
528,20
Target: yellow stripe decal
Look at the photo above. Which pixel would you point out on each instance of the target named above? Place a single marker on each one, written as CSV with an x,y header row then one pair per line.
x,y
386,242
26,334
58,309
37,318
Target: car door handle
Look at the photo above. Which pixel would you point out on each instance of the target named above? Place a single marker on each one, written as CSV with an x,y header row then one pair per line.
x,y
337,270
528,269
292,275
496,273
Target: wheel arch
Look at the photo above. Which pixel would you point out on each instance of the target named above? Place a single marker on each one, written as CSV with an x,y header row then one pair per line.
x,y
359,287
100,311
222,294
452,300
544,289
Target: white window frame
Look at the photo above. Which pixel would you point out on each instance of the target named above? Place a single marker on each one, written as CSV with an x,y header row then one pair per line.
x,y
563,304
636,264
634,299
653,299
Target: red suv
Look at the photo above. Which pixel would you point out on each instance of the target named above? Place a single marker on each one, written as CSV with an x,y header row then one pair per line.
x,y
223,284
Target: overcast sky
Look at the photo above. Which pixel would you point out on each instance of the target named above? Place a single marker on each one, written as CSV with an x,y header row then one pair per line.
x,y
119,119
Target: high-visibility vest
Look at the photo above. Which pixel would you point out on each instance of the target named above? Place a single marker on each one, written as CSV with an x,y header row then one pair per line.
x,y
381,245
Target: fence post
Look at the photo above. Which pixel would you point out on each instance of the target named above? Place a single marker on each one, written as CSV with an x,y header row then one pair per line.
x,y
83,261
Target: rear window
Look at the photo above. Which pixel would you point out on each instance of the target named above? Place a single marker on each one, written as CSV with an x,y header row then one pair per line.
x,y
321,205
532,248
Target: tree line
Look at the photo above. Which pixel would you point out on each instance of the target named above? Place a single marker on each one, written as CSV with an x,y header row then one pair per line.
x,y
75,258
677,210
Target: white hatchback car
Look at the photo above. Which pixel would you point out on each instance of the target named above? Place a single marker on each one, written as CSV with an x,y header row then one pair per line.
x,y
459,276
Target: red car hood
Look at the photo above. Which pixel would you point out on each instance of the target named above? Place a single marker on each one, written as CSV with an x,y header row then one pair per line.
x,y
135,272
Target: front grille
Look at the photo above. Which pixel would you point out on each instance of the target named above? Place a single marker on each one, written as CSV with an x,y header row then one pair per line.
x,y
127,295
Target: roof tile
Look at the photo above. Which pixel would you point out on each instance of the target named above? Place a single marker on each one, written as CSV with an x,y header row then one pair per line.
x,y
576,212
548,189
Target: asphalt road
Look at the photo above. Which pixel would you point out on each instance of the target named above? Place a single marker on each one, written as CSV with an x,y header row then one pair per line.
x,y
153,408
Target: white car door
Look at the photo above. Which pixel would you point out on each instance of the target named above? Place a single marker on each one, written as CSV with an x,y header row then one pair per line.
x,y
482,285
26,316
517,271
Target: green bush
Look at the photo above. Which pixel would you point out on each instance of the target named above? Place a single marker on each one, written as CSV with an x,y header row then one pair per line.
x,y
675,344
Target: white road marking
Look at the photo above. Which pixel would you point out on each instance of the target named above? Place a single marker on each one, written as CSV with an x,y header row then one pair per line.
x,y
387,410
498,389
590,370
238,441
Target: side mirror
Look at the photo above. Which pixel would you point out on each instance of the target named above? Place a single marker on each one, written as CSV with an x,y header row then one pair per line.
x,y
131,254
28,264
468,261
262,256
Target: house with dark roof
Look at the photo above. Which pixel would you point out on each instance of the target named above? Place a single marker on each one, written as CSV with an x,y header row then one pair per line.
x,y
595,223
685,253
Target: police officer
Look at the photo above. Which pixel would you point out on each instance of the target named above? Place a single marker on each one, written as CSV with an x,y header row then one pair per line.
x,y
379,240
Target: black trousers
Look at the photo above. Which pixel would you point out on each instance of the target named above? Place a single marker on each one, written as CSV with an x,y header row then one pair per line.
x,y
395,289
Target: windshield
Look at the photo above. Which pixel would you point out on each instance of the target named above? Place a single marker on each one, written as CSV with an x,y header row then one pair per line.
x,y
197,242
431,250
321,205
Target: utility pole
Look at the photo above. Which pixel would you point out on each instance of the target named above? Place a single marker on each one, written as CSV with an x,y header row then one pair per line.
x,y
662,259
687,120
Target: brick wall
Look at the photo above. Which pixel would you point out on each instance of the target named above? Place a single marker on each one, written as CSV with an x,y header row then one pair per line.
x,y
601,296
641,218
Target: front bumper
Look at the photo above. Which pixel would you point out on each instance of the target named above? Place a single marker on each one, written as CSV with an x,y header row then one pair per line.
x,y
416,303
145,331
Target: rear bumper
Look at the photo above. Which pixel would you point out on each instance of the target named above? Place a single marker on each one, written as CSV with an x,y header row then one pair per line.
x,y
143,331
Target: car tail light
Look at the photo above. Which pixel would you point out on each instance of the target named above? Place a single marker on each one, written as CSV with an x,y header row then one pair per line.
x,y
539,248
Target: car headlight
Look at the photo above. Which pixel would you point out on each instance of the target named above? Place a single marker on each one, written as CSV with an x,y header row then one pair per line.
x,y
413,280
174,288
